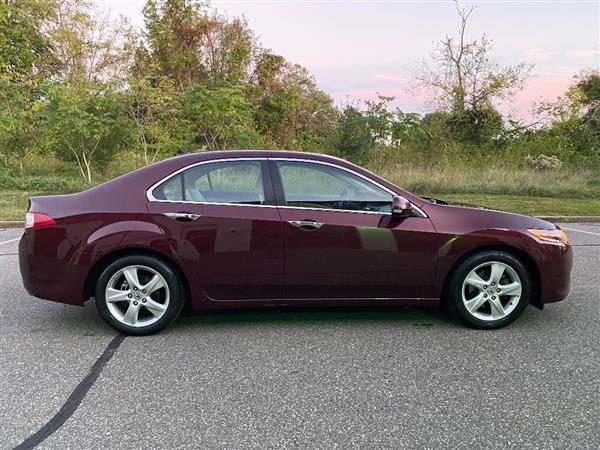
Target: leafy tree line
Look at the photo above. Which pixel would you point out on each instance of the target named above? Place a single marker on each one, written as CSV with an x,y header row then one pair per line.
x,y
84,87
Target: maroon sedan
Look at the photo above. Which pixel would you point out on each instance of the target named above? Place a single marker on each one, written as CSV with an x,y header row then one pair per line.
x,y
271,228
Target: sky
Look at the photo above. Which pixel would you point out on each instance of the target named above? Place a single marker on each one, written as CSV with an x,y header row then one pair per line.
x,y
358,48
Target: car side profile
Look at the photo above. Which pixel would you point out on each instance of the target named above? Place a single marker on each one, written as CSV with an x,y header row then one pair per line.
x,y
236,229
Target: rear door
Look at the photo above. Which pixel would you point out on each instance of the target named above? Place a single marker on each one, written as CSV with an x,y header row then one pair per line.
x,y
221,218
341,240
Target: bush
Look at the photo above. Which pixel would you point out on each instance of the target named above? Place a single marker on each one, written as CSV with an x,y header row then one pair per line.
x,y
543,162
39,183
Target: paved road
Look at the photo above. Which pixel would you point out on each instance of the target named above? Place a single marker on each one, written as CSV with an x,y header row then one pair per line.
x,y
402,377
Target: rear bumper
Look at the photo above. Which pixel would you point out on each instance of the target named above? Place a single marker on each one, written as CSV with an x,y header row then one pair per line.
x,y
48,266
554,264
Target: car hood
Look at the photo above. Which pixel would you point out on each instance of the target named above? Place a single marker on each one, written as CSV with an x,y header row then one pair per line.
x,y
471,218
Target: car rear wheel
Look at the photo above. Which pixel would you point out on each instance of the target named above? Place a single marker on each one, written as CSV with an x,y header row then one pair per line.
x,y
139,295
490,289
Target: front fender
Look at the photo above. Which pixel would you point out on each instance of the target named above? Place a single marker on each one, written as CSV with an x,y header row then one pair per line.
x,y
453,247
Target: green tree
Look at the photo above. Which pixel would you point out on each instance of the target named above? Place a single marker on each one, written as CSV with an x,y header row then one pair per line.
x,y
19,119
174,30
380,119
190,43
85,123
228,50
467,82
25,50
353,138
408,129
25,59
149,107
568,127
290,110
88,44
216,118
585,99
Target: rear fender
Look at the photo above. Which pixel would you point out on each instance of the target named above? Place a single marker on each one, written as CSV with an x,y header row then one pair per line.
x,y
124,234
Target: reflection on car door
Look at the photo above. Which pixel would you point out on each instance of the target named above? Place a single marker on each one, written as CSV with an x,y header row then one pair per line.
x,y
233,249
359,252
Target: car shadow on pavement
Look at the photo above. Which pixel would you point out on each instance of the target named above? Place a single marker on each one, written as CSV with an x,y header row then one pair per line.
x,y
410,316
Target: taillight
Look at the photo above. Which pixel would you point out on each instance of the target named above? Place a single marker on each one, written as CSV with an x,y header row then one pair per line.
x,y
37,220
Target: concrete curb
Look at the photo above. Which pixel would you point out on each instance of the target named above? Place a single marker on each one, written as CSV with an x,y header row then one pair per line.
x,y
571,219
553,219
11,224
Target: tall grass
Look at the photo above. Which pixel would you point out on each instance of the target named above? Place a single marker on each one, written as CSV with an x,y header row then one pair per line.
x,y
575,183
464,171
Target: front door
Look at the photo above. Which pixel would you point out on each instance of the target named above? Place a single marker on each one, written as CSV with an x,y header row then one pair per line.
x,y
341,240
218,219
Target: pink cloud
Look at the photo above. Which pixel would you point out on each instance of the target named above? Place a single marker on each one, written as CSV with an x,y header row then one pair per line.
x,y
387,77
590,53
404,99
373,94
541,88
536,89
539,54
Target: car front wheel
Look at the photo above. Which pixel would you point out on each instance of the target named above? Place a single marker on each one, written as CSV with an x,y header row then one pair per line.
x,y
490,289
139,295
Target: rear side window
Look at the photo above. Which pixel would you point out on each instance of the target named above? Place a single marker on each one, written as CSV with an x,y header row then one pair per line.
x,y
234,182
172,190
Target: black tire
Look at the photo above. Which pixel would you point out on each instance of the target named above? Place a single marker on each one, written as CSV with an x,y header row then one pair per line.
x,y
454,295
176,293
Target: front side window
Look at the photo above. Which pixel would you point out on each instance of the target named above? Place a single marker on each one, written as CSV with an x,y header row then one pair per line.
x,y
235,182
312,185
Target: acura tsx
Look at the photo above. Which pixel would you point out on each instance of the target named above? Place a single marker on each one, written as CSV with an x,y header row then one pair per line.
x,y
234,229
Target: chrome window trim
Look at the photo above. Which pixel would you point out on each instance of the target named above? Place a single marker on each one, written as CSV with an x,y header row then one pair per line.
x,y
150,195
151,198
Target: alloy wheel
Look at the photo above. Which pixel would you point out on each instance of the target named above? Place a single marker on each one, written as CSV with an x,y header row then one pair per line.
x,y
491,291
137,296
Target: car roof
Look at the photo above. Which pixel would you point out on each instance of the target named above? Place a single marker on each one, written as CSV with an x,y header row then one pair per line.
x,y
225,154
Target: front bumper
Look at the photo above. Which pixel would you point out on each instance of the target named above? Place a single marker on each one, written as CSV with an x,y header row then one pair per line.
x,y
554,264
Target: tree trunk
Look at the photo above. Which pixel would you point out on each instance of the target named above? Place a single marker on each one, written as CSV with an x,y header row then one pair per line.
x,y
88,168
145,147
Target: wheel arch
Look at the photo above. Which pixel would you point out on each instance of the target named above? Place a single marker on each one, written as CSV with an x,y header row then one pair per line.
x,y
529,263
106,260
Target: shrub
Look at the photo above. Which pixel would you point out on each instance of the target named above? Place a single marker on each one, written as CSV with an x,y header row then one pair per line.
x,y
39,183
543,162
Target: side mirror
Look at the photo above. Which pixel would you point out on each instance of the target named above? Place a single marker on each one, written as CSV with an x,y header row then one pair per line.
x,y
401,207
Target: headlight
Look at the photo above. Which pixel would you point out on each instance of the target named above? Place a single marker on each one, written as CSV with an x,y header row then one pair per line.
x,y
556,236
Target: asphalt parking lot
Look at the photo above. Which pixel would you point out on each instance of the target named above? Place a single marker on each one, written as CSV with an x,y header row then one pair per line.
x,y
401,377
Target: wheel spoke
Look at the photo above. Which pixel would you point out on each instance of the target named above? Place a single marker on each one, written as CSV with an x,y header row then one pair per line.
x,y
157,309
497,309
131,316
475,303
513,289
476,281
125,304
492,291
116,295
496,273
154,284
131,275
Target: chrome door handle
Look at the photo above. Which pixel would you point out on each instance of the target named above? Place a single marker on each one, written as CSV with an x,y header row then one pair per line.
x,y
181,216
305,224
